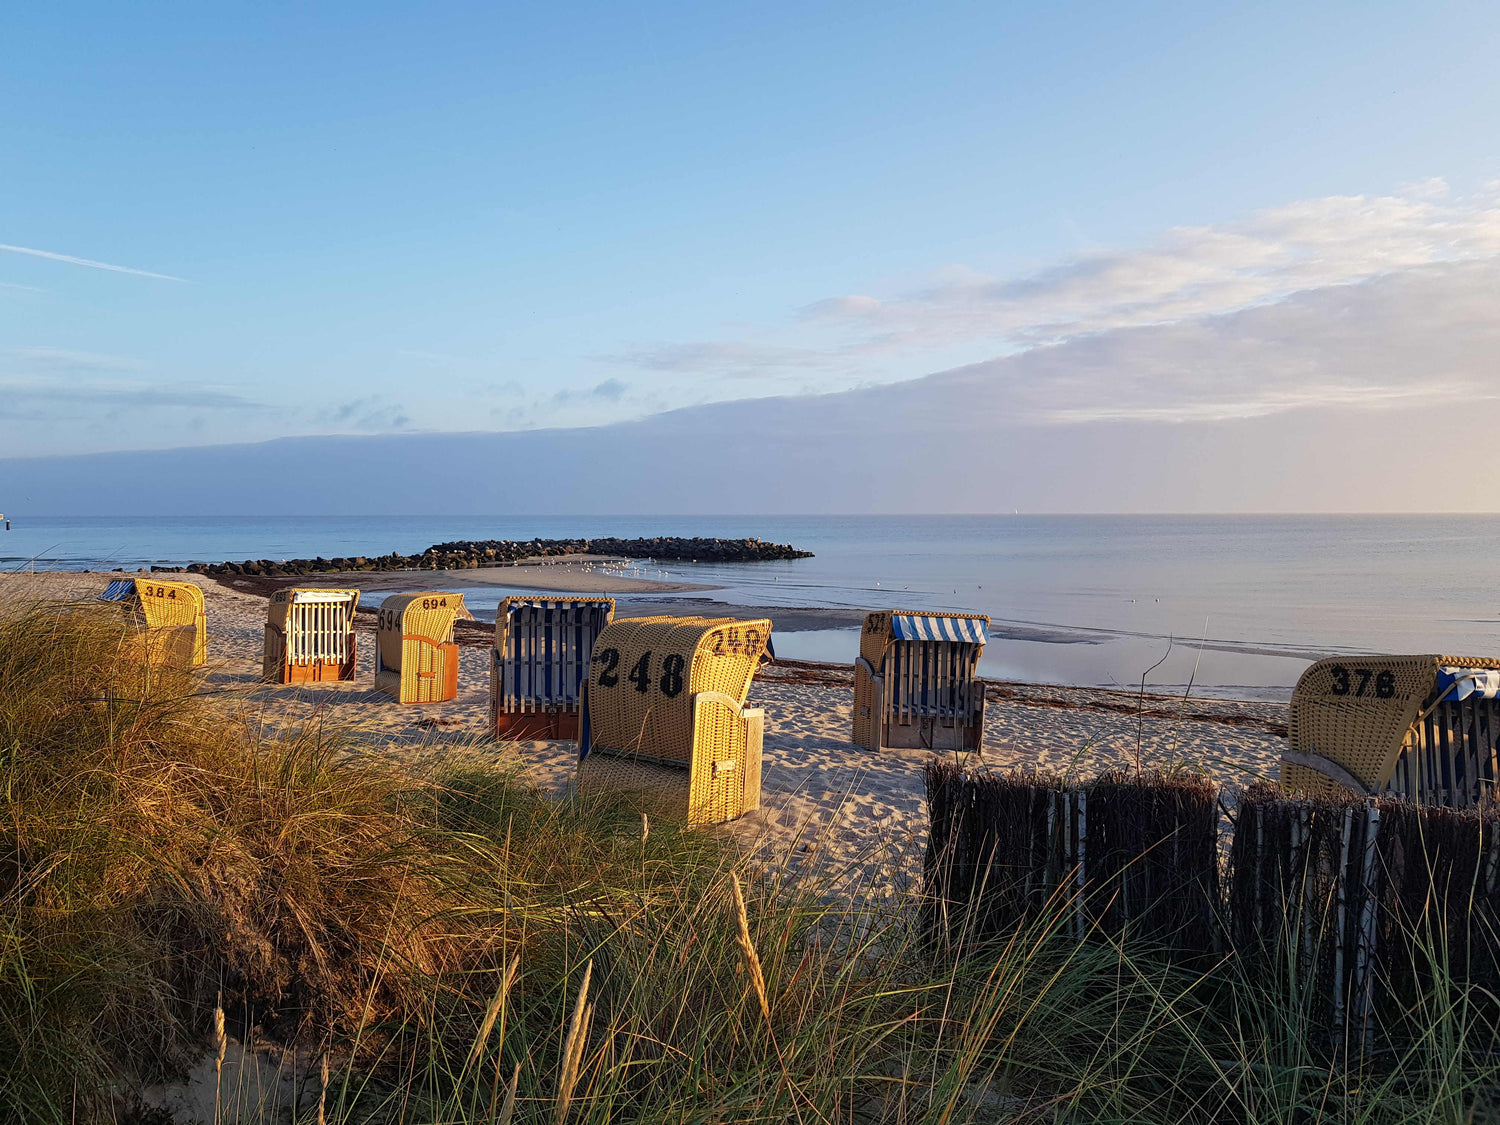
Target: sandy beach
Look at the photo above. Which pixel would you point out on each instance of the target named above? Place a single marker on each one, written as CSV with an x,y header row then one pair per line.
x,y
827,803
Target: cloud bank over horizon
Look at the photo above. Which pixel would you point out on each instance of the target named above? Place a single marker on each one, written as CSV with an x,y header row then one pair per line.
x,y
1373,395
1348,304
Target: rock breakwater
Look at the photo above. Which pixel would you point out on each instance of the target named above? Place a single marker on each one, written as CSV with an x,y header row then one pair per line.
x,y
468,554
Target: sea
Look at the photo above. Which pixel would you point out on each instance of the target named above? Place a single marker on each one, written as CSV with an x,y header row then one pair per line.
x,y
1228,606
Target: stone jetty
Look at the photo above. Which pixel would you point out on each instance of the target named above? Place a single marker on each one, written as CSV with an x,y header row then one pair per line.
x,y
468,554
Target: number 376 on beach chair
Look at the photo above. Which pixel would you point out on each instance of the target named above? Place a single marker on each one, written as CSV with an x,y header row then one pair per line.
x,y
415,657
664,713
539,663
916,684
169,616
1424,728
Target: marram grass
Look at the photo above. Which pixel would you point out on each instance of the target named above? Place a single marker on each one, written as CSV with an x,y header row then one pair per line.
x,y
455,948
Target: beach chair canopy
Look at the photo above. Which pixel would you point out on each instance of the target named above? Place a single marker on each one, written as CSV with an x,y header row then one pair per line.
x,y
424,618
1421,727
542,650
961,628
646,672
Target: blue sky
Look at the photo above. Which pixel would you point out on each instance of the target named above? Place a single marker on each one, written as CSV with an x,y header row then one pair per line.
x,y
372,218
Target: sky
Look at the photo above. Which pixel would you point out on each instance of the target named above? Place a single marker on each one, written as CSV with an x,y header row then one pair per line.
x,y
225,223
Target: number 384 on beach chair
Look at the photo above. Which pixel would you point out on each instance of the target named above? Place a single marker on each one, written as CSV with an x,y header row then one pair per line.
x,y
664,713
915,682
415,657
309,636
1423,728
169,616
539,663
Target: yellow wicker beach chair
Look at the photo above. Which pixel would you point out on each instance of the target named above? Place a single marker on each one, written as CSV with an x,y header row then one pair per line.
x,y
169,615
916,684
1423,728
539,662
309,636
664,713
416,660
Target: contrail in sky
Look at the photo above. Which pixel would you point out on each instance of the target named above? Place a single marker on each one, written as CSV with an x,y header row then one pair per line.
x,y
87,262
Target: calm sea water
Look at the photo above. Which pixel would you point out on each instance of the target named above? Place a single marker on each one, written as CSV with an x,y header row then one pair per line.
x,y
1237,604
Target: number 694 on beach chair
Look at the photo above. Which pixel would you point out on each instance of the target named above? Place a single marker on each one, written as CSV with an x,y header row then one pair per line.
x,y
664,713
415,657
169,616
916,684
1423,728
539,662
309,636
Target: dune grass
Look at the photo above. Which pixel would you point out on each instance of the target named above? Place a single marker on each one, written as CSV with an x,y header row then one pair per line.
x,y
454,947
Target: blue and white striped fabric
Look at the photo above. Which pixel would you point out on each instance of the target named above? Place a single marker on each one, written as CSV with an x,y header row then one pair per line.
x,y
547,652
1468,683
119,590
938,627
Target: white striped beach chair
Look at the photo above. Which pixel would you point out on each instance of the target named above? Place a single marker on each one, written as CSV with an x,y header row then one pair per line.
x,y
539,662
1423,728
916,684
309,636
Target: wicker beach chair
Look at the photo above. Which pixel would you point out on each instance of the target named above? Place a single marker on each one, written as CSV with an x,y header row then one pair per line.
x,y
664,713
916,684
309,636
169,616
1423,728
539,662
416,660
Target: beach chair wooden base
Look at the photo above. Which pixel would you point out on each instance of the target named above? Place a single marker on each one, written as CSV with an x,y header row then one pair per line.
x,y
538,726
706,792
320,672
436,686
932,734
277,670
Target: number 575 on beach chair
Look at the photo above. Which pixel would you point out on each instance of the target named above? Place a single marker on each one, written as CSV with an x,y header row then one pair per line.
x,y
539,662
916,684
1424,728
415,657
169,615
664,713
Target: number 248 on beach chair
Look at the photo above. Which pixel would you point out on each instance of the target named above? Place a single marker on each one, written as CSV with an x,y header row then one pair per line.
x,y
916,684
169,616
664,713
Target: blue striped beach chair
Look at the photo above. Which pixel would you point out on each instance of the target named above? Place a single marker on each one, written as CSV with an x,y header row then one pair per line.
x,y
539,662
916,684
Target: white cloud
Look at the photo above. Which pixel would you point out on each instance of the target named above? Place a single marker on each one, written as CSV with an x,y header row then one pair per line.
x,y
1191,272
1184,328
1413,338
89,262
733,359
